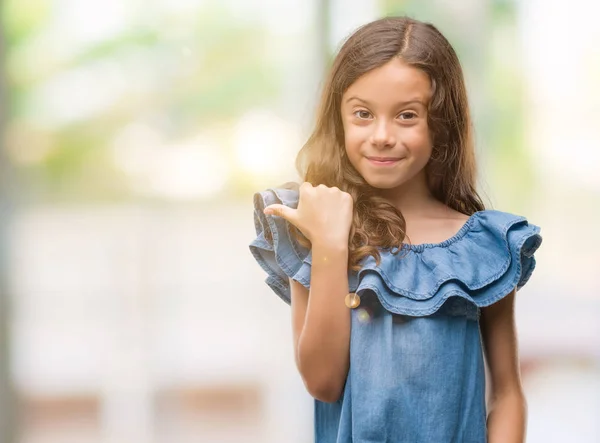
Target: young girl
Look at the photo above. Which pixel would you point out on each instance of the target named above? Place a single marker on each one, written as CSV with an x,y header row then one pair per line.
x,y
399,280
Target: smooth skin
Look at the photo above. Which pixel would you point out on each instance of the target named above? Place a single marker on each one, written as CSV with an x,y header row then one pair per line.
x,y
321,321
387,140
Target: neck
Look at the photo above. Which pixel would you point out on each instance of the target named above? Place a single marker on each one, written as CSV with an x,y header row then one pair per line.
x,y
412,197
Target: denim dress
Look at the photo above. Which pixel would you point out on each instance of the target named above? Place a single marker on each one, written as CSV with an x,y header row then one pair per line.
x,y
416,370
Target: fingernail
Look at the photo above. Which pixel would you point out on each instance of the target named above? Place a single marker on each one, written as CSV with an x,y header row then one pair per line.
x,y
268,211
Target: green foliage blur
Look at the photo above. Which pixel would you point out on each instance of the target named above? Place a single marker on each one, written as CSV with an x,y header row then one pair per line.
x,y
177,73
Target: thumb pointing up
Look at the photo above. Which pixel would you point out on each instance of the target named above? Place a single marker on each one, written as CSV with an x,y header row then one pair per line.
x,y
283,211
323,213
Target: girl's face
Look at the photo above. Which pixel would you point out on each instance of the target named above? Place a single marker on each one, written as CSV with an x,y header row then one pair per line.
x,y
384,114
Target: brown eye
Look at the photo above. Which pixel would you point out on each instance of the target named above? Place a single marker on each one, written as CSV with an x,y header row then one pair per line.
x,y
408,116
362,114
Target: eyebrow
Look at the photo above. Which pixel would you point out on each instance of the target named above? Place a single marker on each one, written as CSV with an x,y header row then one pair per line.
x,y
408,102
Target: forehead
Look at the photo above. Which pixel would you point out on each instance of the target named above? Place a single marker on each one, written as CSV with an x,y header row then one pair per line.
x,y
391,83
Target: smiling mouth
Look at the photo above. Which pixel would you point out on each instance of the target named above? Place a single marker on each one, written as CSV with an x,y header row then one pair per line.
x,y
383,161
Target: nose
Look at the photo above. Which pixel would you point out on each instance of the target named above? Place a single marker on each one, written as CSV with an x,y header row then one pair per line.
x,y
383,134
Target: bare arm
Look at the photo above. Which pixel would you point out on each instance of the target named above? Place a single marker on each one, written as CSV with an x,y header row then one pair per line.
x,y
321,324
508,407
321,320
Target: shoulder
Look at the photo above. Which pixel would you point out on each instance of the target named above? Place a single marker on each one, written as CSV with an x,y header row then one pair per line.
x,y
503,232
508,229
500,246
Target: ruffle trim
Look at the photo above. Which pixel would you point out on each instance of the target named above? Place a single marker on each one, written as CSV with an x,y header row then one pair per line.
x,y
274,248
492,254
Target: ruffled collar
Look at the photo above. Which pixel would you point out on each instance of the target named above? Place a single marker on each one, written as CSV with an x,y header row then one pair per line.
x,y
444,244
488,257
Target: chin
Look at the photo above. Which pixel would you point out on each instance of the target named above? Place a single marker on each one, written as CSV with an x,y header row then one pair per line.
x,y
383,183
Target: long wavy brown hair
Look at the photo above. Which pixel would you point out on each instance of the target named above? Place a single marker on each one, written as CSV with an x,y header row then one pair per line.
x,y
451,170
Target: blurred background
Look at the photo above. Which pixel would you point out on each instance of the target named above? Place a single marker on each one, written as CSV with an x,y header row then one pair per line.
x,y
134,134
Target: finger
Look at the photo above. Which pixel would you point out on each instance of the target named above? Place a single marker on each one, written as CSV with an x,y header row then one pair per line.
x,y
282,211
304,187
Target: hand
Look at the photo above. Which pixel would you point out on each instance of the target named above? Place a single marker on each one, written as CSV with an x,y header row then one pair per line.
x,y
323,215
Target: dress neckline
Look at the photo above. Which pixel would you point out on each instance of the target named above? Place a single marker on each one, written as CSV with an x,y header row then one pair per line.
x,y
465,228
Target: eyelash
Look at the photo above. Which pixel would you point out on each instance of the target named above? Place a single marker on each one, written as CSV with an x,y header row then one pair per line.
x,y
412,114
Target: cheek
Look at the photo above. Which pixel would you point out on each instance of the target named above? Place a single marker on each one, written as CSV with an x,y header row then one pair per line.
x,y
354,134
354,138
417,140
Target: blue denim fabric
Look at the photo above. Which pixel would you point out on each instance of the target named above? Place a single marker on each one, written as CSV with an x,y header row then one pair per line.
x,y
416,360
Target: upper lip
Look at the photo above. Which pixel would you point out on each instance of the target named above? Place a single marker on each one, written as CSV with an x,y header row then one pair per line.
x,y
383,159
